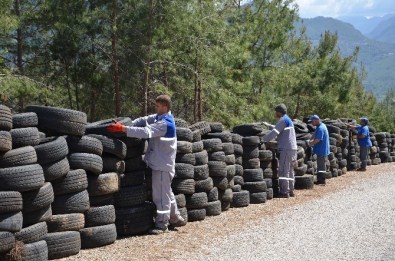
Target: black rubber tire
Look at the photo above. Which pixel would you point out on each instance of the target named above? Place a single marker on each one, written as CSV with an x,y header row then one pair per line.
x,y
333,129
228,148
213,195
239,170
212,145
180,200
113,164
56,169
266,164
238,149
92,163
205,185
5,141
25,137
183,186
241,199
230,159
304,182
74,181
217,156
196,215
201,172
225,206
35,251
300,171
24,120
11,222
39,198
186,158
7,241
130,196
135,164
63,244
250,152
136,220
221,182
184,147
196,200
51,150
37,216
251,175
33,233
269,193
217,169
181,123
237,139
269,183
197,135
251,141
239,180
223,136
258,198
112,146
10,201
225,195
184,134
255,187
184,171
132,178
5,118
103,184
201,158
216,126
84,144
100,127
197,146
71,203
268,173
136,151
230,171
66,222
266,155
247,129
203,126
21,178
18,157
213,208
251,164
92,237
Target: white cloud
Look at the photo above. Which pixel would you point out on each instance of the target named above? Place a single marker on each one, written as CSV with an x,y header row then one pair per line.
x,y
334,8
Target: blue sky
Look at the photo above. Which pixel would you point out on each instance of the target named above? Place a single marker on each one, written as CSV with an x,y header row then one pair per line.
x,y
335,8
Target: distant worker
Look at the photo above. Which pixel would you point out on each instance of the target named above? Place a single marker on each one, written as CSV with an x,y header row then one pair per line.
x,y
287,149
160,129
321,147
364,141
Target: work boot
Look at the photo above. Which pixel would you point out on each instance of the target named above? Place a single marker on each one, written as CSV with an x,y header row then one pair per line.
x,y
292,194
361,169
180,223
320,182
158,231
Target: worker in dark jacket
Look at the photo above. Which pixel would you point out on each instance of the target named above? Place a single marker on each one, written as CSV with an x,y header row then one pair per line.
x,y
287,148
364,141
160,129
321,147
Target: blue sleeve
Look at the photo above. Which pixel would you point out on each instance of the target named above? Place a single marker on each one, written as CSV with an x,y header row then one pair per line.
x,y
365,131
319,134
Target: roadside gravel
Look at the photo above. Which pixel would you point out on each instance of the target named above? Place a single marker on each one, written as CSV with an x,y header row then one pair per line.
x,y
352,218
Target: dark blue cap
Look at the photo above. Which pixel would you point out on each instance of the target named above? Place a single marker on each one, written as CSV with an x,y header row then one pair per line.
x,y
314,117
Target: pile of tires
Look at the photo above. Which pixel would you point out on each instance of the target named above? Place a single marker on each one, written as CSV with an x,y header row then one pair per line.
x,y
384,141
374,155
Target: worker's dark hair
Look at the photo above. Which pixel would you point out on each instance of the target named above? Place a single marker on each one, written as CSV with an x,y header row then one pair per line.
x,y
165,100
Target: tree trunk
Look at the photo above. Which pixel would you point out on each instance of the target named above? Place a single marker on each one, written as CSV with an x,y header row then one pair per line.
x,y
68,85
114,58
296,114
147,62
19,39
196,97
76,91
200,100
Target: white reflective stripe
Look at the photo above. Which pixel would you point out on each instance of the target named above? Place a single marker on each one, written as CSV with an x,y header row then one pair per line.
x,y
276,131
149,132
285,178
321,171
288,128
167,139
163,212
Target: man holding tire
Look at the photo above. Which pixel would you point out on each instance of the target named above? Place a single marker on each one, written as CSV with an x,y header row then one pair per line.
x,y
287,149
364,141
321,147
160,129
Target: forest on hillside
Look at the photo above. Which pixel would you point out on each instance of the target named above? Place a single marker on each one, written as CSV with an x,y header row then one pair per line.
x,y
220,60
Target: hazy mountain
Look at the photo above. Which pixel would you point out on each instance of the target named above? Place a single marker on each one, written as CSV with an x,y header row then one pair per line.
x,y
363,24
378,58
384,31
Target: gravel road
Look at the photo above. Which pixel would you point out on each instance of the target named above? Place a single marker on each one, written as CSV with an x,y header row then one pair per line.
x,y
352,218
